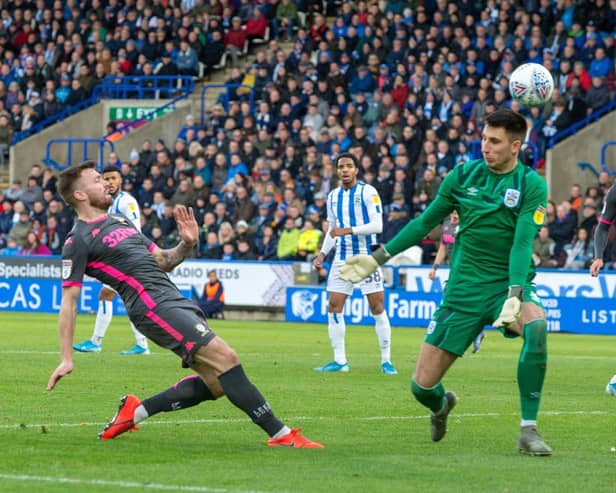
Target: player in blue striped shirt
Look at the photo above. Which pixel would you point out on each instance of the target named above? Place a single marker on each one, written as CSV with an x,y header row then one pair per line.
x,y
354,213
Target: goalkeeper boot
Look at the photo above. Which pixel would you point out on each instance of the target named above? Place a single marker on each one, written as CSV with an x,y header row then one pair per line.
x,y
333,366
293,439
438,421
87,346
531,443
123,419
388,369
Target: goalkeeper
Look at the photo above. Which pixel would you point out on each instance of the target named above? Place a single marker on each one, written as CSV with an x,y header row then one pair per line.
x,y
501,204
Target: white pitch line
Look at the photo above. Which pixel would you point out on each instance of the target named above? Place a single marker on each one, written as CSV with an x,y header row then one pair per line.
x,y
300,418
485,354
121,484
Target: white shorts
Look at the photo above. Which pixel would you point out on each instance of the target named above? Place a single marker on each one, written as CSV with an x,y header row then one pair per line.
x,y
109,288
372,284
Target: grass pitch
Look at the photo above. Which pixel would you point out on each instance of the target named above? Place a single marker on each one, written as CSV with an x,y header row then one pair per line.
x,y
376,436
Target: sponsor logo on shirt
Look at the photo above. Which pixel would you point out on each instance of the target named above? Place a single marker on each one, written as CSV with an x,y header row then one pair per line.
x,y
512,197
117,236
539,215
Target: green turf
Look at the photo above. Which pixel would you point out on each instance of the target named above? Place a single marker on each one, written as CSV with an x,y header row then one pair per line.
x,y
376,436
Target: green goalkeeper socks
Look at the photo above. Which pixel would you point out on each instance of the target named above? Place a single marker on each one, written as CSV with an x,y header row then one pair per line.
x,y
432,398
531,367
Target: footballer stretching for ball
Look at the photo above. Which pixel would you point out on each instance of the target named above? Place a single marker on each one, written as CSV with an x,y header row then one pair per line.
x,y
109,248
501,203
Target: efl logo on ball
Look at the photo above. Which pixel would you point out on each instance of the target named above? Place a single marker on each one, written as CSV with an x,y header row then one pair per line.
x,y
531,84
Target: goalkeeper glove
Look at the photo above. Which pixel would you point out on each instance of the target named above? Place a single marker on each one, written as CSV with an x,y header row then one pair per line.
x,y
361,266
512,307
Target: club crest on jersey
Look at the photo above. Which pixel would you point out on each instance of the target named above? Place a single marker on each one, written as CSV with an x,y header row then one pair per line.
x,y
67,267
512,197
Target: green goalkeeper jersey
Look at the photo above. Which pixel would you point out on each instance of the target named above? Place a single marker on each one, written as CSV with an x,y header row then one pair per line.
x,y
500,215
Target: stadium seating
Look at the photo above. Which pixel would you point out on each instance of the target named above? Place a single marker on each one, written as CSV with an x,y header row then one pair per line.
x,y
323,59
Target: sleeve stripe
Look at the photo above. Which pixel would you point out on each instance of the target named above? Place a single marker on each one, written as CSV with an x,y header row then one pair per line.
x,y
68,284
605,221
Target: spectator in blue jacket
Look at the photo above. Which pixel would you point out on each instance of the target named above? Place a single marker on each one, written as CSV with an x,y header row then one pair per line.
x,y
186,61
363,82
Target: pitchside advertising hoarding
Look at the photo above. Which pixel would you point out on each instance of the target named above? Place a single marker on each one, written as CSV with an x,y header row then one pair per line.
x,y
33,283
574,301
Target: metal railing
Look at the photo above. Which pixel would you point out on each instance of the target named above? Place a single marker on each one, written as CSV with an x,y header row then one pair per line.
x,y
71,143
148,88
604,147
574,128
142,87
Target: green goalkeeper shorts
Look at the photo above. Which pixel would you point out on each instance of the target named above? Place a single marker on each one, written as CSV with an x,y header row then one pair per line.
x,y
454,328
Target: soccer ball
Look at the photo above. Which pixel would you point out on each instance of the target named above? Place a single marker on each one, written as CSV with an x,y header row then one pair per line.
x,y
610,388
531,84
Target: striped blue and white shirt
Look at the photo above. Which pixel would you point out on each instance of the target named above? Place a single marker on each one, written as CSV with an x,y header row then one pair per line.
x,y
124,203
358,208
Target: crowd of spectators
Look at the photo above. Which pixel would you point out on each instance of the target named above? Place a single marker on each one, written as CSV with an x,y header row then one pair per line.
x,y
404,86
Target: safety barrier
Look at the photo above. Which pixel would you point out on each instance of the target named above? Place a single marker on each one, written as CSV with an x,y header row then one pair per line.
x,y
142,87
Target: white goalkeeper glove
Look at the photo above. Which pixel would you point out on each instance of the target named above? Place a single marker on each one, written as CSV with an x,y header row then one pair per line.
x,y
512,307
361,266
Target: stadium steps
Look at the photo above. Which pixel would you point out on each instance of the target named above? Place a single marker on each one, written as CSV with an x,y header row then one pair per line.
x,y
5,177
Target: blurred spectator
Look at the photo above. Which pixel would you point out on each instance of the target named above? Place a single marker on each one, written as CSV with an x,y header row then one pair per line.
x,y
11,249
395,220
33,246
287,241
211,249
308,241
187,60
285,21
562,229
589,219
597,95
21,228
543,249
580,251
15,191
212,301
235,41
267,244
6,137
31,193
245,250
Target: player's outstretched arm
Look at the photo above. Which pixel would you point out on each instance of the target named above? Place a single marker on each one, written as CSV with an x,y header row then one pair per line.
x,y
66,330
189,232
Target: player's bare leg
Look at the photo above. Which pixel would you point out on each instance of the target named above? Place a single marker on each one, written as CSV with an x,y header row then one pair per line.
x,y
432,364
382,328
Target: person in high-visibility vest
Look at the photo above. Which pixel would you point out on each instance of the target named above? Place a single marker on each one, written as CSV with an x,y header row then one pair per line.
x,y
213,299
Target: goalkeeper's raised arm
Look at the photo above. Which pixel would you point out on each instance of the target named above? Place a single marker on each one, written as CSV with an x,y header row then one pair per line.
x,y
359,267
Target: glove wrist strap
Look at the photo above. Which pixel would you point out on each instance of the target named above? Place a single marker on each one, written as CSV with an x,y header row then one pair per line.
x,y
381,255
516,291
